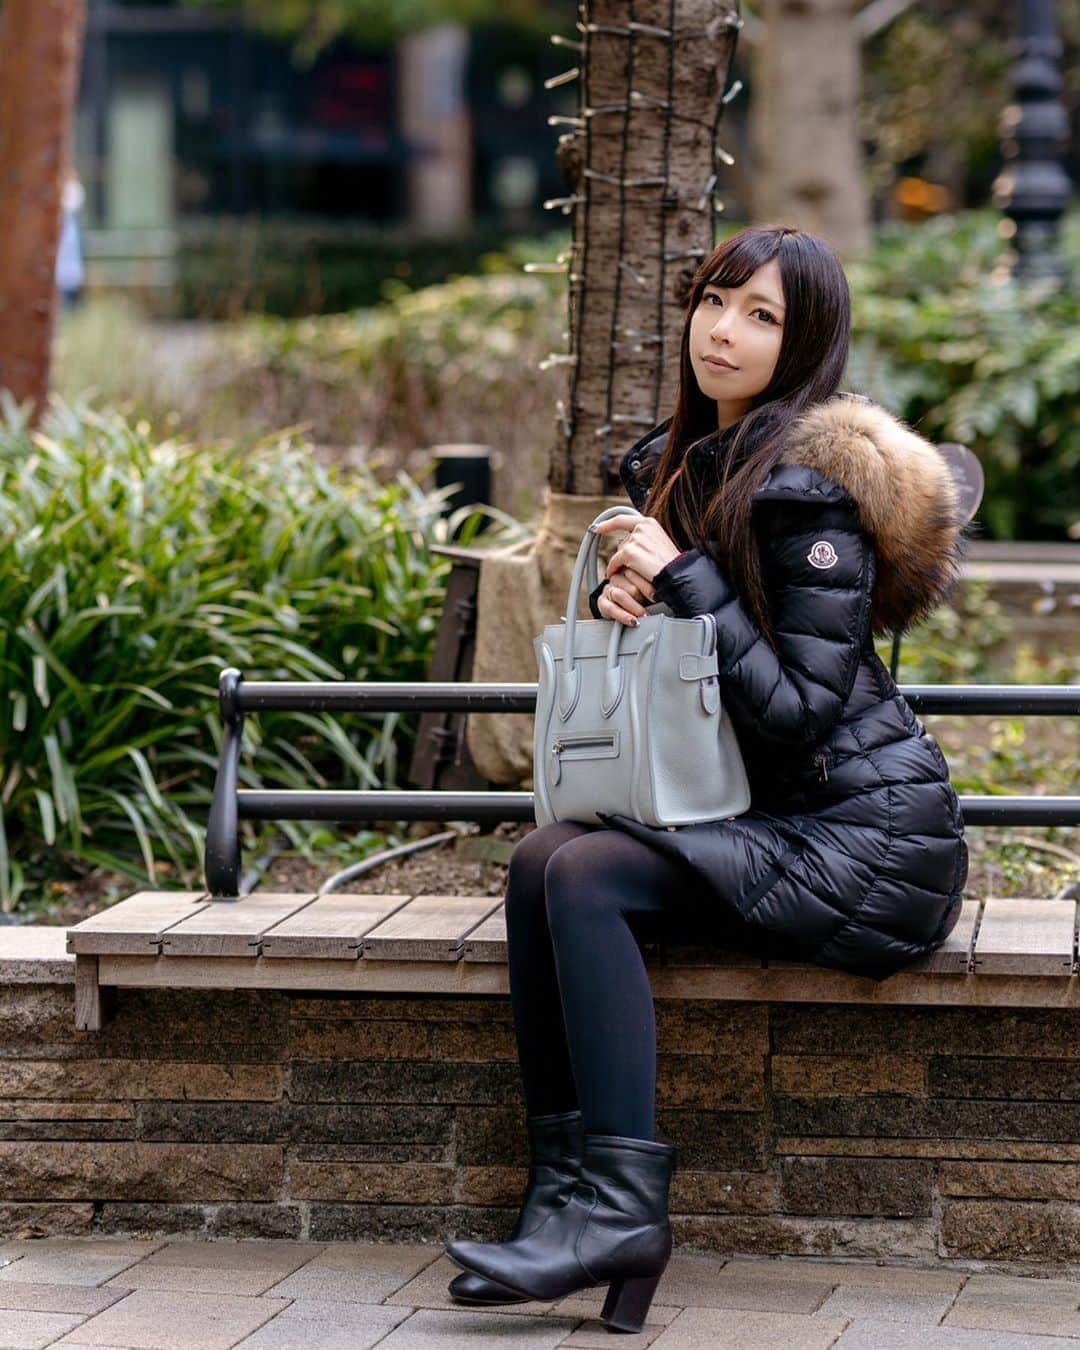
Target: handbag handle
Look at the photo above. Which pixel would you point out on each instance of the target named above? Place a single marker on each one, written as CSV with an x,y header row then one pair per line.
x,y
570,681
586,562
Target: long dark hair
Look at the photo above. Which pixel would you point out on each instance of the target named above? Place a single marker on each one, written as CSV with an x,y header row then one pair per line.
x,y
810,365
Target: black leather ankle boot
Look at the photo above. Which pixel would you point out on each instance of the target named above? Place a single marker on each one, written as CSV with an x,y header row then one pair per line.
x,y
612,1230
556,1144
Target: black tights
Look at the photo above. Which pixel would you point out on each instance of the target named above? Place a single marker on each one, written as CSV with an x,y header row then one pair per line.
x,y
577,898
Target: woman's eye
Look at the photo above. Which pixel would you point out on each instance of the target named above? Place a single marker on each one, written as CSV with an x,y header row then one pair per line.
x,y
713,296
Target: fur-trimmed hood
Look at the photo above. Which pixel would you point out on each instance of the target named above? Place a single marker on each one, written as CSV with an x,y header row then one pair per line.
x,y
901,486
904,492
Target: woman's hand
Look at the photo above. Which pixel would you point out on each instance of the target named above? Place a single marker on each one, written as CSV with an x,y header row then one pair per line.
x,y
645,551
622,598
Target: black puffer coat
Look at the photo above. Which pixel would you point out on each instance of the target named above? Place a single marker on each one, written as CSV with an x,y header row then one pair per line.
x,y
852,854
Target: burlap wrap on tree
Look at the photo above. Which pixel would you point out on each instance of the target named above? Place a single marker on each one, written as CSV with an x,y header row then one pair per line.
x,y
520,590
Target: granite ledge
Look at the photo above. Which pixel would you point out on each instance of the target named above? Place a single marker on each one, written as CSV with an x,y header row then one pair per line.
x,y
35,954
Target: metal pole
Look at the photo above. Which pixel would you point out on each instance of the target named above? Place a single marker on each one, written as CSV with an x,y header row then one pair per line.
x,y
1033,188
222,859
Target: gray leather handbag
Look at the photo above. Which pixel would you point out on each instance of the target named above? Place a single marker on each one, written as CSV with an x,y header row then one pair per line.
x,y
630,720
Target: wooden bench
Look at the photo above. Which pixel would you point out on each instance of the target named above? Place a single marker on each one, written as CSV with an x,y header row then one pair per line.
x,y
1005,951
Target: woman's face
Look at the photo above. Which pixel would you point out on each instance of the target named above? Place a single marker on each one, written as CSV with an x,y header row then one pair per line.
x,y
741,325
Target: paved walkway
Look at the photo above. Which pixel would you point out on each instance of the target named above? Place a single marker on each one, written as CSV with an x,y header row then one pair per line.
x,y
170,1294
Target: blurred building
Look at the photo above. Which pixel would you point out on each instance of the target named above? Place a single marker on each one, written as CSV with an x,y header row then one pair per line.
x,y
188,115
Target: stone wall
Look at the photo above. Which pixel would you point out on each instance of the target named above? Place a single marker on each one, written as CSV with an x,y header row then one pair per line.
x,y
931,1133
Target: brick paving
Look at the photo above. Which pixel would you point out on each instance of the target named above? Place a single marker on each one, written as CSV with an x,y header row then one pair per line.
x,y
172,1294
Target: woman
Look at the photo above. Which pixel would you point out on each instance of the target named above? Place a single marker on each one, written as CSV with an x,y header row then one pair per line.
x,y
808,522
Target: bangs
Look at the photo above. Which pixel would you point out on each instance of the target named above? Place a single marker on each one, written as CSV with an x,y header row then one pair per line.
x,y
742,260
731,275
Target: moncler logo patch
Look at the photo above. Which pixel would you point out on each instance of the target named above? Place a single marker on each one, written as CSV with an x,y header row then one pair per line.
x,y
822,554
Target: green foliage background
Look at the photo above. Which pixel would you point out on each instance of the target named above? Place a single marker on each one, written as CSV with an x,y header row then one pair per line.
x,y
935,338
132,571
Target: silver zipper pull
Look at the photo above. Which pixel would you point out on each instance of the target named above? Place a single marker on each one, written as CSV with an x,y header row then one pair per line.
x,y
823,772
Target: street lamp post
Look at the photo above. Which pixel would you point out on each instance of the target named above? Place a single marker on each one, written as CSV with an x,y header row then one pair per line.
x,y
1033,188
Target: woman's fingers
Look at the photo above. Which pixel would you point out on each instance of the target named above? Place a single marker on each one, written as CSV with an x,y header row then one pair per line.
x,y
611,610
616,602
639,586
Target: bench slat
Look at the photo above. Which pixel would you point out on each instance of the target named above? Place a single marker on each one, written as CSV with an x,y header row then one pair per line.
x,y
231,927
429,928
1026,937
464,977
487,941
331,926
953,957
306,974
135,925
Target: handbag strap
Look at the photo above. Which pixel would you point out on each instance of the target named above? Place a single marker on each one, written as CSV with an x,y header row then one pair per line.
x,y
586,561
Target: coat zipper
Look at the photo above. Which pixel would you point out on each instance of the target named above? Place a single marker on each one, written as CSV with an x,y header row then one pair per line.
x,y
823,771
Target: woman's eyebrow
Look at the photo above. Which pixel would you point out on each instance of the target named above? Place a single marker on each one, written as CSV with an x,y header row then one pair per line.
x,y
754,295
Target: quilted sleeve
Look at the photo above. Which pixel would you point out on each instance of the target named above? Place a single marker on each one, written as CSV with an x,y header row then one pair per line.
x,y
819,576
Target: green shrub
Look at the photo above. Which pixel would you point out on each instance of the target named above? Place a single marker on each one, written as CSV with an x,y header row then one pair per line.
x,y
291,268
965,358
131,573
935,339
451,363
106,354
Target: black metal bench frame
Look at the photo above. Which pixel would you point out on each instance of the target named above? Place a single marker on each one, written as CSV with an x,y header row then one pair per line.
x,y
239,698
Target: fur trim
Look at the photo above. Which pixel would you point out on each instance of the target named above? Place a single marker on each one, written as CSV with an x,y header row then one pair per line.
x,y
905,495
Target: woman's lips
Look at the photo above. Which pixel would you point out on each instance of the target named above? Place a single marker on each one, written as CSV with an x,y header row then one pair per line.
x,y
718,365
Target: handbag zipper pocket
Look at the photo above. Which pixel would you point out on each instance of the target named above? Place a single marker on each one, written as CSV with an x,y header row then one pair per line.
x,y
584,745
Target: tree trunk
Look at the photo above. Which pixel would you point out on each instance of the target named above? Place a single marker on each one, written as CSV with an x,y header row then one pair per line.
x,y
40,48
644,216
807,145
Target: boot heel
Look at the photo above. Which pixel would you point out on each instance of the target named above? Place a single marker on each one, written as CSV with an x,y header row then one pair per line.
x,y
628,1301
